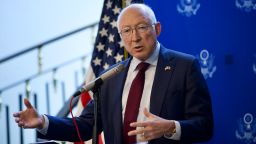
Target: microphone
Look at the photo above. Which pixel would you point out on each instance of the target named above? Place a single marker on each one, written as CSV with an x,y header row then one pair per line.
x,y
99,81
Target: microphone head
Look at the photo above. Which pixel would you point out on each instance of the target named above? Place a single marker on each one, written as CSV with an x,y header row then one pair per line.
x,y
105,76
117,69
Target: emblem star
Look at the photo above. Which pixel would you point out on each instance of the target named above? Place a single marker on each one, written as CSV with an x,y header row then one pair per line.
x,y
118,57
111,38
109,52
105,19
106,66
113,24
116,10
103,32
97,61
100,47
109,4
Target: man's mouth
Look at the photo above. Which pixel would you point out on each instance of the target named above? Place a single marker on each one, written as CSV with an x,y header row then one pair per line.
x,y
138,47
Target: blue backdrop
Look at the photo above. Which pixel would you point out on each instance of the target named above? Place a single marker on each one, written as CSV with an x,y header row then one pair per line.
x,y
222,34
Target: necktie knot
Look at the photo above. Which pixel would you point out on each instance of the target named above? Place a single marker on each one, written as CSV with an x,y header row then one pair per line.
x,y
142,67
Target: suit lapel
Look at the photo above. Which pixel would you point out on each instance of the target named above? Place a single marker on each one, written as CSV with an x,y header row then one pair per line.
x,y
164,70
162,78
117,103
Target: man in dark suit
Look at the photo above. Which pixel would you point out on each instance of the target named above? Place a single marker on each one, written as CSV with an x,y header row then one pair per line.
x,y
172,103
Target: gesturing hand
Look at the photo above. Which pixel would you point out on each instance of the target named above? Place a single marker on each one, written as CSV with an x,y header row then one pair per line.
x,y
29,118
154,127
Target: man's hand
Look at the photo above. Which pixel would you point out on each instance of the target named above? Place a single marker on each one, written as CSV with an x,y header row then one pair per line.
x,y
154,127
29,118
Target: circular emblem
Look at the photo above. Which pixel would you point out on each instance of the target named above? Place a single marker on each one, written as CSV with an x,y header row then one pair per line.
x,y
204,55
248,118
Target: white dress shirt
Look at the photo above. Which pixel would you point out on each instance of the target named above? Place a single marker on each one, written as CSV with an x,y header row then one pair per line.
x,y
149,78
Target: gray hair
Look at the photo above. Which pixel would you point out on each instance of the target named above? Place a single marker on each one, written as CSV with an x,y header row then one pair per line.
x,y
146,9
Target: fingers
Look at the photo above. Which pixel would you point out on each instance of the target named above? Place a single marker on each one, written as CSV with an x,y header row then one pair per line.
x,y
145,134
17,120
148,114
136,132
153,127
28,118
145,137
20,122
143,128
27,103
141,124
16,114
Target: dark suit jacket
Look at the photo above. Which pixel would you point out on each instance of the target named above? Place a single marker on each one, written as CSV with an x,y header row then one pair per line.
x,y
179,93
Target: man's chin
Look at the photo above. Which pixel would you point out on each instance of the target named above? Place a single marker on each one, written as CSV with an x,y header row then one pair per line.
x,y
142,58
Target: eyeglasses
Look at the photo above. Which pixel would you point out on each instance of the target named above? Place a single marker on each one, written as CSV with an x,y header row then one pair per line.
x,y
141,28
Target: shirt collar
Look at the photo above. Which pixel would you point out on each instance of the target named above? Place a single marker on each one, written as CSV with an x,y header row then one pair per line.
x,y
152,60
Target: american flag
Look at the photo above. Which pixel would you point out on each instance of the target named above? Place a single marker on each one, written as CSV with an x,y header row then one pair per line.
x,y
108,48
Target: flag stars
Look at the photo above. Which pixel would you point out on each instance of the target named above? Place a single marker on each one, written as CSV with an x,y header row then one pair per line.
x,y
97,61
106,66
111,38
113,24
105,19
116,10
118,58
109,52
121,44
100,47
109,4
128,2
103,32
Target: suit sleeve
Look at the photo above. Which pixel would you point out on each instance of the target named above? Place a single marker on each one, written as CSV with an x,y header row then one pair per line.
x,y
63,129
198,123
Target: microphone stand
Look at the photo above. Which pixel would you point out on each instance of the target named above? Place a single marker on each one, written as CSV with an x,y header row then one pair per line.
x,y
96,98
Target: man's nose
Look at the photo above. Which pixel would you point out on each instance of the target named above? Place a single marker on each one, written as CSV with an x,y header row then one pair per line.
x,y
135,35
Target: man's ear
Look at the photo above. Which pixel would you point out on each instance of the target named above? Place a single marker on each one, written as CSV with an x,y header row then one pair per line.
x,y
158,28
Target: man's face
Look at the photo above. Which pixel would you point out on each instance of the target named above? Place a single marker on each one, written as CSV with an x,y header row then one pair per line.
x,y
138,33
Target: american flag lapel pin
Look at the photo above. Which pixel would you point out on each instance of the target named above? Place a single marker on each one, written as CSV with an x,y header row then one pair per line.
x,y
167,68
